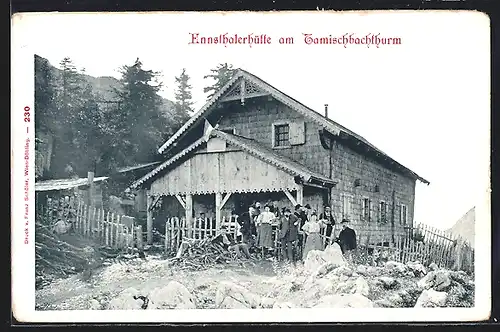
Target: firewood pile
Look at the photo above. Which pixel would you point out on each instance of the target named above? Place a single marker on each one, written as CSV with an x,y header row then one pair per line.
x,y
198,254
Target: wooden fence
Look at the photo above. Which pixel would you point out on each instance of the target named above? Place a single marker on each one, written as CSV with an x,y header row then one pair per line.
x,y
427,245
406,244
107,228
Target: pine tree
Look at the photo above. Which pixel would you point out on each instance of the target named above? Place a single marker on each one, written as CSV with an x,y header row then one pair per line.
x,y
139,125
221,75
183,98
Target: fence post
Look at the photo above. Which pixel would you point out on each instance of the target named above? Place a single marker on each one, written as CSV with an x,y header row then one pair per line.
x,y
139,238
166,237
118,233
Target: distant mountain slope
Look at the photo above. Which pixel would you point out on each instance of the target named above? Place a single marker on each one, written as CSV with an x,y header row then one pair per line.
x,y
105,85
465,226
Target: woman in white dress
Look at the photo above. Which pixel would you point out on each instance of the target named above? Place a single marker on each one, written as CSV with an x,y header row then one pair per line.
x,y
312,228
264,224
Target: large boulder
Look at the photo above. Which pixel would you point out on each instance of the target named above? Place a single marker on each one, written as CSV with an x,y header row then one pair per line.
x,y
438,280
229,294
431,299
387,282
95,305
172,296
433,267
126,300
333,254
314,261
343,271
396,268
362,286
329,258
344,301
417,268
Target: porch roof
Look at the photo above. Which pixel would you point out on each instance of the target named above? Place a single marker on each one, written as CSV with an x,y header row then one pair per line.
x,y
301,172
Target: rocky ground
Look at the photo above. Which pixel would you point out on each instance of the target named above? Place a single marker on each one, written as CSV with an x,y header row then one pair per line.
x,y
324,280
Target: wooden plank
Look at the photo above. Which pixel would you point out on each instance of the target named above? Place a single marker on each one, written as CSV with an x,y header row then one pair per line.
x,y
118,233
205,227
167,235
225,199
140,245
290,197
189,212
77,217
178,237
218,206
181,201
300,194
149,217
94,222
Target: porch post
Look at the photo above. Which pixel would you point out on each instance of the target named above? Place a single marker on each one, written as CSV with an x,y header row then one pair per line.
x,y
189,213
218,207
300,194
149,214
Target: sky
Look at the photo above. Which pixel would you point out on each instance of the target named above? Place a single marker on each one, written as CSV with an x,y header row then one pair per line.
x,y
425,101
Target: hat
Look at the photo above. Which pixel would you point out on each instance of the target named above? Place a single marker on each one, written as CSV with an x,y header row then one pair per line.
x,y
307,206
344,221
298,206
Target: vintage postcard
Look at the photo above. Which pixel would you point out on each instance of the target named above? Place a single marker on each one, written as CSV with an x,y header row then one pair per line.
x,y
251,166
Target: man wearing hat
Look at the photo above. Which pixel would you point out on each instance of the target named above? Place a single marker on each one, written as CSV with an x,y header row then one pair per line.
x,y
347,240
288,234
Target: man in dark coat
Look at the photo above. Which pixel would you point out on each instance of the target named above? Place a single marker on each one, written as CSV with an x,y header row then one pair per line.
x,y
300,213
347,240
288,234
247,224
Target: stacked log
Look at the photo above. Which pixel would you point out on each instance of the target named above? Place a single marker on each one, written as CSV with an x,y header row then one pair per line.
x,y
198,254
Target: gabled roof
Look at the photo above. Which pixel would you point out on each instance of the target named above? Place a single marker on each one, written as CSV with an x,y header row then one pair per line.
x,y
328,124
252,147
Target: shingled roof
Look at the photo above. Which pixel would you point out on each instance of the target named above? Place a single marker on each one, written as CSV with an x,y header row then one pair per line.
x,y
326,123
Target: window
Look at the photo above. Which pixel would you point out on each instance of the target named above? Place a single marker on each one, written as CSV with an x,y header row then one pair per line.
x,y
281,135
403,217
346,207
366,209
382,212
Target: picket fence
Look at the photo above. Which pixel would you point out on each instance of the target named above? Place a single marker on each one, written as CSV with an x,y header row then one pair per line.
x,y
422,243
176,229
427,245
106,228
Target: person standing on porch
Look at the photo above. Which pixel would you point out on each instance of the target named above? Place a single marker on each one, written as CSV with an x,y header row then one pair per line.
x,y
327,218
265,234
288,234
313,240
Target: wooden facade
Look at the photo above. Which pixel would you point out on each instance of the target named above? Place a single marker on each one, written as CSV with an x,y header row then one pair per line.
x,y
252,140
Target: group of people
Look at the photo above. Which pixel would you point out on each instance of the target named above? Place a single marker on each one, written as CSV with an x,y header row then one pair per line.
x,y
298,230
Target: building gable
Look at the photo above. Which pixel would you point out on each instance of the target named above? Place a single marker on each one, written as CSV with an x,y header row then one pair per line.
x,y
244,86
